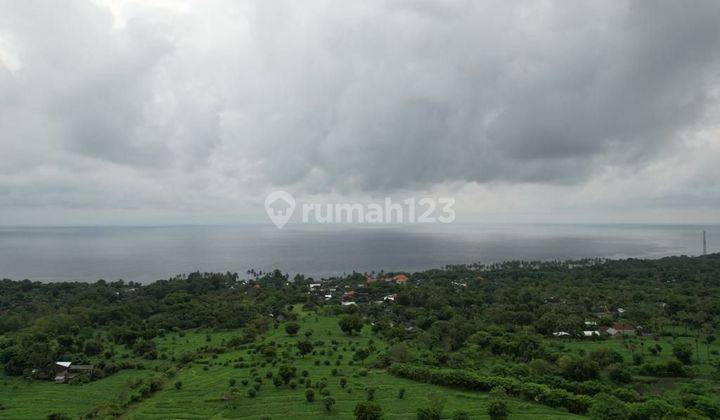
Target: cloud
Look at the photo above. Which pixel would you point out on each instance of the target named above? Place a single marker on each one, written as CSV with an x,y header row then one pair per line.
x,y
108,105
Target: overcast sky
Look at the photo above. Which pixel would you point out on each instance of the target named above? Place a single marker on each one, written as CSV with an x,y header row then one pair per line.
x,y
156,112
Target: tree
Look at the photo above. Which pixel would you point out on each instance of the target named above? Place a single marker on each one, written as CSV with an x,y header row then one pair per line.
x,y
286,373
683,352
368,411
309,395
607,407
305,347
361,355
328,402
350,323
578,369
497,409
619,374
292,328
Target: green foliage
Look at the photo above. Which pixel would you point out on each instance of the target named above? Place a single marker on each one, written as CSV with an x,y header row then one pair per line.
x,y
607,407
461,415
498,410
350,324
292,328
368,411
328,402
683,352
472,381
309,395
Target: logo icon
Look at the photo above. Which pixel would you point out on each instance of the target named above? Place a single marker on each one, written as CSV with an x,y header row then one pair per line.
x,y
279,206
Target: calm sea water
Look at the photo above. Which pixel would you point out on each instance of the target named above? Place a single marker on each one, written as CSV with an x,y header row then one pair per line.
x,y
149,253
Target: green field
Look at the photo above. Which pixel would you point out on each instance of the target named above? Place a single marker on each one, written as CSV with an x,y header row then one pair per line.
x,y
205,391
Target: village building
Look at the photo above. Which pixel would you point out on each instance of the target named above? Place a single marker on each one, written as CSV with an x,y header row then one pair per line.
x,y
400,278
64,371
620,329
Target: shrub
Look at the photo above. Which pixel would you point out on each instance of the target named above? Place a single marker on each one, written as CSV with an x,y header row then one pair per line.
x,y
252,392
292,328
401,393
368,411
178,385
619,374
328,402
461,415
529,391
683,352
428,414
309,395
497,410
607,407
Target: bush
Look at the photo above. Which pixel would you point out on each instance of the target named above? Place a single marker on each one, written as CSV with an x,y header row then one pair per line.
x,y
292,328
461,415
528,391
309,395
252,392
178,385
328,402
497,410
607,407
368,411
401,393
428,413
619,374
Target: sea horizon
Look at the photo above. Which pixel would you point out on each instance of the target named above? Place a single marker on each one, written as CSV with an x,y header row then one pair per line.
x,y
148,253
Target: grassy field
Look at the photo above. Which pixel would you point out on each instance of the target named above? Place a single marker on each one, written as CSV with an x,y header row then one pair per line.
x,y
206,384
24,399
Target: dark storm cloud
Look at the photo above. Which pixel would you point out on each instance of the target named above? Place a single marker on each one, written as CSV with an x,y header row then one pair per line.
x,y
182,101
435,92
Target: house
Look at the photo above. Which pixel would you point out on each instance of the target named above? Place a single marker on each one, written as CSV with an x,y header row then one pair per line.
x,y
561,334
400,278
348,298
64,371
389,298
591,333
620,329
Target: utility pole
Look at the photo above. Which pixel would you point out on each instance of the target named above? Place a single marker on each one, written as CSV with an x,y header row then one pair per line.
x,y
704,243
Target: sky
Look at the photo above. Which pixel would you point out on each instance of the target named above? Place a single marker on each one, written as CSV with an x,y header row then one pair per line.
x,y
191,112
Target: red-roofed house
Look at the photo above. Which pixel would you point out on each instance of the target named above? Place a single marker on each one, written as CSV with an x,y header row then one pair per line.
x,y
400,278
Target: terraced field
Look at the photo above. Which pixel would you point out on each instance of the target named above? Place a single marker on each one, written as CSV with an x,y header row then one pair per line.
x,y
217,386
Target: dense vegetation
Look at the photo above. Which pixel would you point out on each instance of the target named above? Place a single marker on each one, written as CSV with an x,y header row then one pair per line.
x,y
626,339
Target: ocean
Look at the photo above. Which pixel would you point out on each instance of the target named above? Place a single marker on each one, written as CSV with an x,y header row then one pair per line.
x,y
145,254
